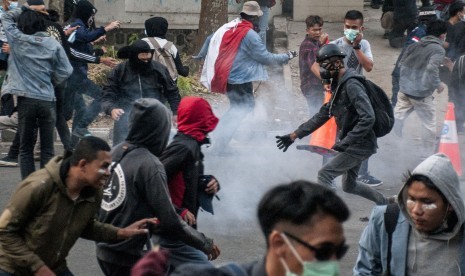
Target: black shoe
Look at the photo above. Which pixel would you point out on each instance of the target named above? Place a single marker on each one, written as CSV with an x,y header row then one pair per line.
x,y
369,180
375,6
386,35
8,162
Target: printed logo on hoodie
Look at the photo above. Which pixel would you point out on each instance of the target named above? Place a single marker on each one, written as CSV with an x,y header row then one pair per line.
x,y
114,192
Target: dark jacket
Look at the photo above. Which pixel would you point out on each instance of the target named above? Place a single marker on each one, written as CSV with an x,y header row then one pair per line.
x,y
125,85
138,187
419,67
354,115
44,223
183,159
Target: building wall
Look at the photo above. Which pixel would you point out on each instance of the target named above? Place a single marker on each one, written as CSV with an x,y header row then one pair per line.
x,y
330,10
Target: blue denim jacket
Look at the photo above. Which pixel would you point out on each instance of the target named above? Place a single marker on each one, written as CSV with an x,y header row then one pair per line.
x,y
35,62
250,58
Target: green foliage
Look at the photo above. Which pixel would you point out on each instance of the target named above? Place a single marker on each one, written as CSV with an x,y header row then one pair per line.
x,y
111,52
184,86
133,38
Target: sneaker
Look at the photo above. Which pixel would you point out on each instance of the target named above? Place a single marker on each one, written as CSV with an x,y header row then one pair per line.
x,y
369,180
81,132
8,162
375,6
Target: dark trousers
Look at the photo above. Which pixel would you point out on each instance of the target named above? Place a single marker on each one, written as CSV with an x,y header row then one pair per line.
x,y
457,91
78,85
241,103
348,166
61,124
396,36
33,112
110,269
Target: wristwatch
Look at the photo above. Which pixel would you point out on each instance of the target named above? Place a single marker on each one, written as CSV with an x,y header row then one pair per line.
x,y
356,47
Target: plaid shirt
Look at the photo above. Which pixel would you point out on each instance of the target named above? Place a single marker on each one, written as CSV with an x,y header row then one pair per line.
x,y
307,55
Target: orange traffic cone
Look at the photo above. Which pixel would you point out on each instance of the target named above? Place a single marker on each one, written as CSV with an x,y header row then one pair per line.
x,y
449,144
325,136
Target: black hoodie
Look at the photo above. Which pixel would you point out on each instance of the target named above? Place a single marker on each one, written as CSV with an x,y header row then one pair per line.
x,y
138,187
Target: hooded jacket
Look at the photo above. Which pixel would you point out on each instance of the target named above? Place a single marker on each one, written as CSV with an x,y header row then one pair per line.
x,y
157,27
354,115
372,256
419,67
183,159
126,84
41,223
138,188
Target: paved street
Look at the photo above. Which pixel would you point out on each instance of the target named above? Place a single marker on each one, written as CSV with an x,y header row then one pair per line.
x,y
254,165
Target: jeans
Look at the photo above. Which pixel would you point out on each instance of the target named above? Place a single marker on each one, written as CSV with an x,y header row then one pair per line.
x,y
241,103
263,23
78,85
180,253
33,112
348,166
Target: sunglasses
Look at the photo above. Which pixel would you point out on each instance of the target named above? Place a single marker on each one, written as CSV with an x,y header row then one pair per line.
x,y
326,250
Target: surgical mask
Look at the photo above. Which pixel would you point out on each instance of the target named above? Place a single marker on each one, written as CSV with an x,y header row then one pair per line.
x,y
316,268
351,34
13,5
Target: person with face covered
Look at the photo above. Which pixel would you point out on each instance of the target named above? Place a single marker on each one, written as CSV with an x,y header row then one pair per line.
x,y
156,28
138,189
137,77
354,115
183,161
235,56
429,232
79,84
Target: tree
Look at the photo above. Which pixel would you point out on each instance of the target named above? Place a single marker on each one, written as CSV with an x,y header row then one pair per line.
x,y
213,14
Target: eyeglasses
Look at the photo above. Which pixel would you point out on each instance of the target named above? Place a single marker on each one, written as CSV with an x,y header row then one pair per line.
x,y
326,250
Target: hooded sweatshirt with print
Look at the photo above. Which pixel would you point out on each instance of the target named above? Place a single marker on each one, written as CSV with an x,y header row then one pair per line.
x,y
138,187
415,253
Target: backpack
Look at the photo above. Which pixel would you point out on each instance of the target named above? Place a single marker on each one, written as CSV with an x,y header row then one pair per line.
x,y
163,56
382,107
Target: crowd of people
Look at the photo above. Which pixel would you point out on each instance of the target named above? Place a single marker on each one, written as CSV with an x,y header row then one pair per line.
x,y
146,186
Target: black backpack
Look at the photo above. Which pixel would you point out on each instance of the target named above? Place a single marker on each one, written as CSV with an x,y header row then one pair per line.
x,y
382,107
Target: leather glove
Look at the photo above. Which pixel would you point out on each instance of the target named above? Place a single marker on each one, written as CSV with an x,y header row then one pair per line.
x,y
292,54
283,142
339,148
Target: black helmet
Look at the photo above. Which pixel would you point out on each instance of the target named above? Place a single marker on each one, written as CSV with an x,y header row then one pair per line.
x,y
328,51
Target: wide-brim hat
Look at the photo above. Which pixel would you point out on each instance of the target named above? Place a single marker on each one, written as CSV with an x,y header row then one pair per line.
x,y
252,8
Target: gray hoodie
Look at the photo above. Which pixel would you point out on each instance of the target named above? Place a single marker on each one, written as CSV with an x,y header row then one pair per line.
x,y
441,246
419,71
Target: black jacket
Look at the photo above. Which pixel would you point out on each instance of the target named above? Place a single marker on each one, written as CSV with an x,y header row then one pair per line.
x,y
183,155
354,115
138,187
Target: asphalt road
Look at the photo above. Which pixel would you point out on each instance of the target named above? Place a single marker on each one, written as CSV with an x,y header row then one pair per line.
x,y
255,165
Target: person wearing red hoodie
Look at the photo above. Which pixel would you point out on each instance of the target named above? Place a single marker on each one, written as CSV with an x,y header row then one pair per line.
x,y
189,188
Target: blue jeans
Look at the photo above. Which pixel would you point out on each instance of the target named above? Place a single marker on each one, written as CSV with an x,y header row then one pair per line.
x,y
263,23
348,166
181,253
78,84
33,112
